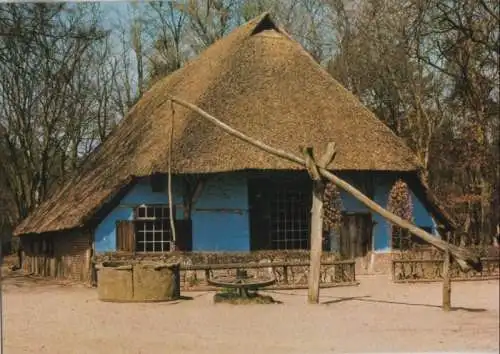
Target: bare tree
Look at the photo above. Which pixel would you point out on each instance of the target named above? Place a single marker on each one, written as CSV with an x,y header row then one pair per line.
x,y
429,70
209,20
40,97
167,33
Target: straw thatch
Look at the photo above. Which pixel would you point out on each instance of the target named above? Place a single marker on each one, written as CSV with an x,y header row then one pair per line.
x,y
259,81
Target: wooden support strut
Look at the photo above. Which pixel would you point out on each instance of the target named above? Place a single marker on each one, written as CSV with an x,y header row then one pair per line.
x,y
465,258
316,217
446,282
316,227
447,279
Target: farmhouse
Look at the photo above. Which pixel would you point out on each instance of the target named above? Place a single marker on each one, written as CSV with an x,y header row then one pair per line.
x,y
228,196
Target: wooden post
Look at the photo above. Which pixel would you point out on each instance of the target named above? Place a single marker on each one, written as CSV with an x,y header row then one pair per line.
x,y
446,281
285,274
316,236
316,242
207,276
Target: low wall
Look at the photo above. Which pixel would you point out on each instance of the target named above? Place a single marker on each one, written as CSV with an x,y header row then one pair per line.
x,y
290,268
426,264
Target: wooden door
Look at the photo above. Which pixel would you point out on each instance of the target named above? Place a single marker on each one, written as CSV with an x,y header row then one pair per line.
x,y
356,235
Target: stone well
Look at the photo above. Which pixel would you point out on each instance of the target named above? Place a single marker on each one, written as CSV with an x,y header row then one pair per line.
x,y
137,282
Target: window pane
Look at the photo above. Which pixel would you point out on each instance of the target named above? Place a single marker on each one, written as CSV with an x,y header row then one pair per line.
x,y
149,247
139,225
157,247
158,212
165,212
149,236
140,246
158,225
158,236
141,212
150,212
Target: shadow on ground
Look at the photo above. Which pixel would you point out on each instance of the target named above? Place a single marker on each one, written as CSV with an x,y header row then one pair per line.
x,y
20,280
367,298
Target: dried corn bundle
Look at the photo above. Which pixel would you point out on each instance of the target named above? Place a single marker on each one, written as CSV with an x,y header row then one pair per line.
x,y
332,208
400,204
400,200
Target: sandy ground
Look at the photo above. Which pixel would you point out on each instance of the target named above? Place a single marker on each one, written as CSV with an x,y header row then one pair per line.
x,y
377,316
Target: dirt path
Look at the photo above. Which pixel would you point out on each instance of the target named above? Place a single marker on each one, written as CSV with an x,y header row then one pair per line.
x,y
377,316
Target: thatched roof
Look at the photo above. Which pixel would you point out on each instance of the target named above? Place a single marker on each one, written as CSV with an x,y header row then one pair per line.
x,y
258,80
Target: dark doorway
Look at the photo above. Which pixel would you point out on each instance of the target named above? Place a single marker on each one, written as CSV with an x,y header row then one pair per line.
x,y
356,235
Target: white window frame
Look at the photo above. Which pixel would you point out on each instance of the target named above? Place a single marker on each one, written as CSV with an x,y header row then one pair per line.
x,y
159,240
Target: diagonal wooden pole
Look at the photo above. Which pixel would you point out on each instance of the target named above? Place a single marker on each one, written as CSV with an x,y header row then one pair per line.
x,y
173,244
465,258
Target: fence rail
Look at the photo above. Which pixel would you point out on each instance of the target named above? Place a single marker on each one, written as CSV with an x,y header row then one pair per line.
x,y
288,275
428,270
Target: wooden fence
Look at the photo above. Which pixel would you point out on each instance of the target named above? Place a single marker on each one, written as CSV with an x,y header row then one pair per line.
x,y
428,270
288,275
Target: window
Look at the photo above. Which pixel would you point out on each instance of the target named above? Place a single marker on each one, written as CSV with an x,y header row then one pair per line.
x,y
401,239
152,228
290,215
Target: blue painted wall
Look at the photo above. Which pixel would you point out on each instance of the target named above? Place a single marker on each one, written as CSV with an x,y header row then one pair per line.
x,y
220,215
141,193
381,229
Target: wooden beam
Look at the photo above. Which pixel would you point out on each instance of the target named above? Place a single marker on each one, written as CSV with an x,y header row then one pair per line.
x,y
200,185
192,192
316,233
312,169
316,242
316,236
327,158
170,193
465,258
446,280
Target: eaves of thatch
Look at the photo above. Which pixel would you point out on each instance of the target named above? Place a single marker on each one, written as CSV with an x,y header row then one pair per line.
x,y
259,81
